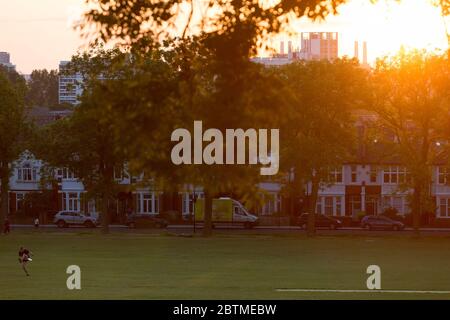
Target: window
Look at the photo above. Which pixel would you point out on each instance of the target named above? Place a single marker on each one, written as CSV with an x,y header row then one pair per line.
x,y
402,175
355,204
373,174
443,175
444,207
329,206
335,175
20,198
120,174
395,174
388,176
319,205
185,201
26,173
71,201
338,206
397,202
386,203
147,202
271,203
354,173
66,174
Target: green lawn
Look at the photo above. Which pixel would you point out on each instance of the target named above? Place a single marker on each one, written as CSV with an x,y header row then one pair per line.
x,y
149,266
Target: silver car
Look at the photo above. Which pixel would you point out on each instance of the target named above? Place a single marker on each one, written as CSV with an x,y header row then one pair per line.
x,y
64,219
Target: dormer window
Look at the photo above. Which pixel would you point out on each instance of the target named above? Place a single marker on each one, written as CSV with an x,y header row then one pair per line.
x,y
27,173
66,174
443,175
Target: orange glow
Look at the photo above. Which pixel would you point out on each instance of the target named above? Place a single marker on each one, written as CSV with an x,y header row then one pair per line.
x,y
386,26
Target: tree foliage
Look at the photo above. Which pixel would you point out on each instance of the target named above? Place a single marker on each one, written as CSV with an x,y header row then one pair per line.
x,y
85,142
412,101
43,88
318,135
239,22
14,128
148,95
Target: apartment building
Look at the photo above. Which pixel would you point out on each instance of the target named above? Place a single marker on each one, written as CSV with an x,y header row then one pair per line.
x,y
5,60
70,88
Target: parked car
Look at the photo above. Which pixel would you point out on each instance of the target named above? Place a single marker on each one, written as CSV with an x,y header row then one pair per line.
x,y
381,222
66,218
322,221
145,221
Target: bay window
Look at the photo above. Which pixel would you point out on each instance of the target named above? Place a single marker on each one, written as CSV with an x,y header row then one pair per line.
x,y
444,207
71,201
147,202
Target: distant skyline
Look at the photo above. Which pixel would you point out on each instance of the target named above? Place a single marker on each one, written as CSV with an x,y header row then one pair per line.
x,y
38,34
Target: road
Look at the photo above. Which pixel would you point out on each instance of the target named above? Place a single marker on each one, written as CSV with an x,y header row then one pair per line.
x,y
226,229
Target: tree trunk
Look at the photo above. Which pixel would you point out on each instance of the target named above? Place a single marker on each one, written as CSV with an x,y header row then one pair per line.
x,y
416,209
312,207
104,215
207,227
292,203
421,178
4,171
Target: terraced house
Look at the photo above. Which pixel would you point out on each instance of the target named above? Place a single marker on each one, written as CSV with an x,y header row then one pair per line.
x,y
368,188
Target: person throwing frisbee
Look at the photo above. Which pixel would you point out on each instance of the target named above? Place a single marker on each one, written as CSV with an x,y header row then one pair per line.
x,y
24,258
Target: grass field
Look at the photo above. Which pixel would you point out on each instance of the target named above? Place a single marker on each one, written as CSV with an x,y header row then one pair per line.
x,y
232,266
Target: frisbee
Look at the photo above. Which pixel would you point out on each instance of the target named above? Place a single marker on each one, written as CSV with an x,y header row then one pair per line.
x,y
29,259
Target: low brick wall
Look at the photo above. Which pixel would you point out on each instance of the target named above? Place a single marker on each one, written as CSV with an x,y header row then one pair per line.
x,y
440,223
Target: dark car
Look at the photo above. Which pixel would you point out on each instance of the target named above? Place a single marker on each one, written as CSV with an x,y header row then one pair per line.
x,y
145,221
381,222
322,221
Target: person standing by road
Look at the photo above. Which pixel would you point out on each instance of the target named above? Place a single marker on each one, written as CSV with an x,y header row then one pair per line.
x,y
6,226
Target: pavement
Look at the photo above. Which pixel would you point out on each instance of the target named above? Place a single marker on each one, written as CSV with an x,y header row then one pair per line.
x,y
229,229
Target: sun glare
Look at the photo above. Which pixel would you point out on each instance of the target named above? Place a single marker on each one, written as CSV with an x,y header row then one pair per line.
x,y
386,25
390,25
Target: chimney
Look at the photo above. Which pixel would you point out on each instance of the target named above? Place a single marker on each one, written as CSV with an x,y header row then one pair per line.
x,y
365,52
281,47
356,54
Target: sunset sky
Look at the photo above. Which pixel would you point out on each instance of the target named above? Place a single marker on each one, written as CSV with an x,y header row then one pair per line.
x,y
39,33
